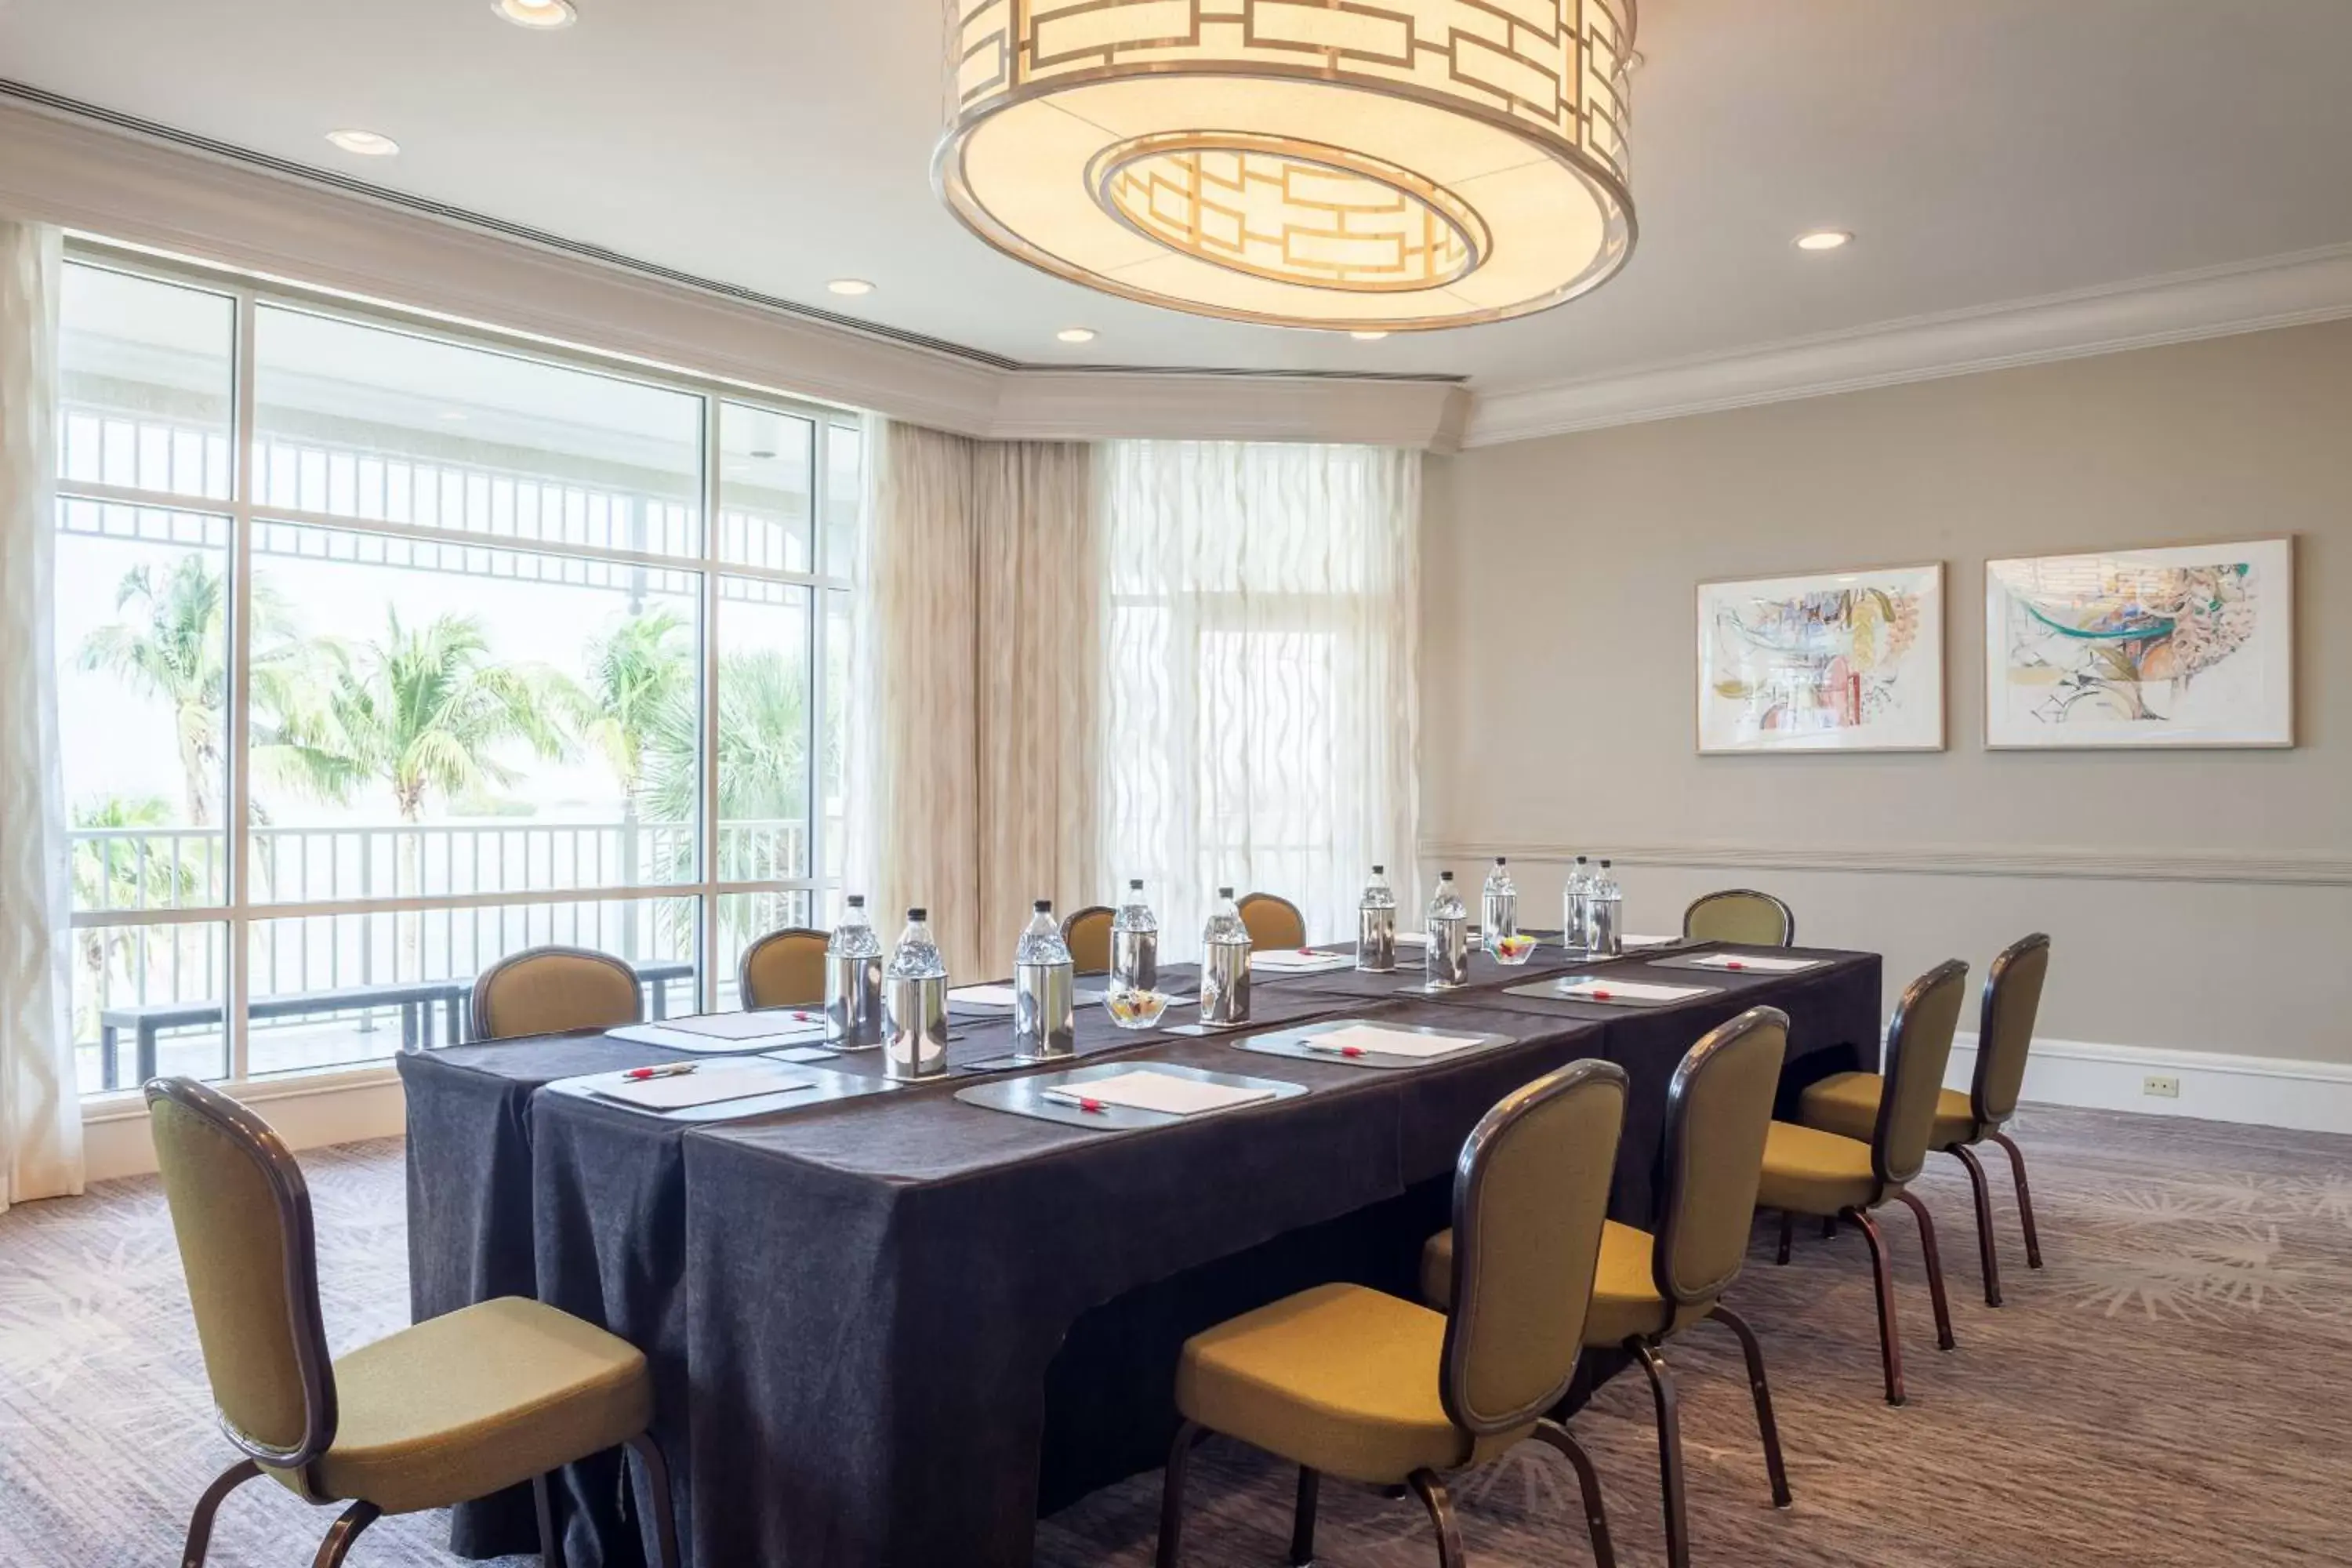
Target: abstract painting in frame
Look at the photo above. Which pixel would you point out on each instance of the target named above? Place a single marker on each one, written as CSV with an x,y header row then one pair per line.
x,y
1833,661
2178,645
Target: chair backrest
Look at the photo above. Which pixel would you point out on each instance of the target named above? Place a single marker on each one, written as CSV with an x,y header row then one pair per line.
x,y
1718,1112
1742,915
1529,1195
1273,922
2012,998
241,1214
554,990
1919,1048
1087,934
783,969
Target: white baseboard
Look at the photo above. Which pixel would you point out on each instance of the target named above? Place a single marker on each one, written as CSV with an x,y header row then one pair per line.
x,y
2260,1091
309,1113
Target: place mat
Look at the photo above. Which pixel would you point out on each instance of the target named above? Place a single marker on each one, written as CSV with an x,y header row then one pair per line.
x,y
794,1086
723,1032
1029,1096
1609,993
1740,963
1303,961
1358,1042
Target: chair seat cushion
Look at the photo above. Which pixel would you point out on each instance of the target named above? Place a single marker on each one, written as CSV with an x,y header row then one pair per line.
x,y
1807,1171
1625,1300
468,1403
1846,1103
1340,1379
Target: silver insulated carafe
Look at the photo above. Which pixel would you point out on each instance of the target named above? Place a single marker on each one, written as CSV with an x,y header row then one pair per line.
x,y
1376,926
1134,944
852,981
1224,964
914,1005
1044,991
1449,936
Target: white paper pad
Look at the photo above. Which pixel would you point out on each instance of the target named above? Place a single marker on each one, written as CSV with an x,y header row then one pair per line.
x,y
1002,996
1391,1042
704,1086
1636,943
724,1031
1290,961
1145,1090
1761,966
1631,991
1413,939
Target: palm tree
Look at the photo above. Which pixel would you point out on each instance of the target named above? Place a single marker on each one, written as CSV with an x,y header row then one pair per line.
x,y
762,753
176,649
109,875
641,679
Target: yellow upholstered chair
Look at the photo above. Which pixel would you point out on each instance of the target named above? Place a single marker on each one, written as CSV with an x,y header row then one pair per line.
x,y
1810,1172
1650,1287
1273,922
1848,1103
455,1408
783,969
1740,915
554,991
1087,934
1373,1388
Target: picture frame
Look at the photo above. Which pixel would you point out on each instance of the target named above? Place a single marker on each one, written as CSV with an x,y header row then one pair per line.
x,y
2183,646
1837,661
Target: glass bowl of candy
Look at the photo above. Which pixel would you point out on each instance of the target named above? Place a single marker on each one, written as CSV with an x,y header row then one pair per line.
x,y
1135,1009
1513,949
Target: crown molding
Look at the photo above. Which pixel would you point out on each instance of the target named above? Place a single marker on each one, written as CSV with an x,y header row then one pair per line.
x,y
148,186
2244,297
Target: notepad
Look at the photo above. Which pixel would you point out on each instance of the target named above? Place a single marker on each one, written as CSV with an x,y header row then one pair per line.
x,y
705,1086
1628,991
1378,1041
1293,961
1760,965
1142,1089
726,1031
1003,996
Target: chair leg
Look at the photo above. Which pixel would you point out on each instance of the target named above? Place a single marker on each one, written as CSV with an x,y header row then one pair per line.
x,y
1670,1450
200,1523
1829,1227
1432,1492
550,1550
1172,1491
1890,1347
1588,1481
1787,1234
1987,1251
2024,1198
1766,1428
343,1531
1935,1296
1302,1519
648,1451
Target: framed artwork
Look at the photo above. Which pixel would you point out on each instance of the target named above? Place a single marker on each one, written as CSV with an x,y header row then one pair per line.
x,y
1833,661
2186,645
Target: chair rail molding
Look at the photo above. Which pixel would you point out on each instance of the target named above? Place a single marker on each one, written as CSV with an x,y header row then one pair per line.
x,y
2287,290
2217,866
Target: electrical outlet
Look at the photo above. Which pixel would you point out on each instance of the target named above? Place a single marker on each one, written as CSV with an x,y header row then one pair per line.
x,y
2161,1085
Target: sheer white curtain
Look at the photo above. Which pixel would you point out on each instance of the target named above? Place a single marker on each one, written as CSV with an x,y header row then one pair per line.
x,y
977,662
40,1110
1259,694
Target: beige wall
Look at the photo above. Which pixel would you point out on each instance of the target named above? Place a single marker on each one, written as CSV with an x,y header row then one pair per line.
x,y
2199,901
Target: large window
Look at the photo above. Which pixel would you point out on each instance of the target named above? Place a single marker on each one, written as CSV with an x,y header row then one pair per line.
x,y
382,654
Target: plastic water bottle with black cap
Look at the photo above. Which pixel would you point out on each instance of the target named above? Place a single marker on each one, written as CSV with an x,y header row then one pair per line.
x,y
1376,925
1607,916
1134,943
915,1003
1449,936
1575,908
1224,964
1498,907
853,980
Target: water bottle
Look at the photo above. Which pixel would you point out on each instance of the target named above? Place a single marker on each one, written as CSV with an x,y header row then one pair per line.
x,y
1498,907
1575,908
915,1003
1606,916
1224,964
1134,944
1376,926
853,980
1044,991
1449,936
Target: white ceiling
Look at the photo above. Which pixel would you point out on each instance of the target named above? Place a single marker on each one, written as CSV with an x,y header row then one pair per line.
x,y
1984,153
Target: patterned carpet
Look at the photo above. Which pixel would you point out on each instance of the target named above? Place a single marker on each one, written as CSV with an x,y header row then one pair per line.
x,y
2175,1388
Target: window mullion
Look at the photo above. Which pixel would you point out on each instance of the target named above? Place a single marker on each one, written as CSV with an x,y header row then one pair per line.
x,y
707,928
241,704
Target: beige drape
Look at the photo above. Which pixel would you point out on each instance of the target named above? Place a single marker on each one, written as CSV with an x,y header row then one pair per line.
x,y
981,653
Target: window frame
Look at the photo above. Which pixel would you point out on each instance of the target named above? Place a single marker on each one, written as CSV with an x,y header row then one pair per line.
x,y
239,913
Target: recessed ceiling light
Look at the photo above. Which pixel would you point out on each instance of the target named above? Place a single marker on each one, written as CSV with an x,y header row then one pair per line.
x,y
366,143
851,286
1367,336
547,14
1824,239
1076,334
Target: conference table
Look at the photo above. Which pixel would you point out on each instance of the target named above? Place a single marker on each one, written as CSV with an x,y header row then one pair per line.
x,y
892,1328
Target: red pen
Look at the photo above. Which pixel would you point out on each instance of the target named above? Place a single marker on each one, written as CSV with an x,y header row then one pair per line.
x,y
803,1018
1309,952
1097,1106
670,1069
1599,996
1733,964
